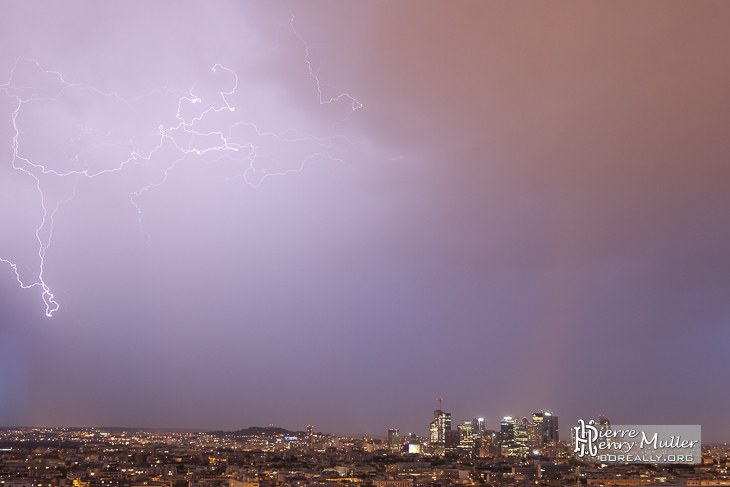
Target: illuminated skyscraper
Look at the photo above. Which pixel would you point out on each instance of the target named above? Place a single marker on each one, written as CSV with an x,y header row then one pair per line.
x,y
477,426
537,421
507,428
451,443
549,424
550,427
438,427
394,440
466,439
522,433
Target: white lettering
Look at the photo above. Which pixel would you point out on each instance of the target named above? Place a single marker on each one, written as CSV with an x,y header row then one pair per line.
x,y
585,436
648,442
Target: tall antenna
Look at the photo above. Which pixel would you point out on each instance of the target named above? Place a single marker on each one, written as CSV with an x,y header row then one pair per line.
x,y
439,400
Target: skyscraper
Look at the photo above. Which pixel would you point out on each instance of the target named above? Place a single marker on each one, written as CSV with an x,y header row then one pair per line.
x,y
438,427
537,420
550,427
394,441
477,426
466,439
549,424
507,428
451,442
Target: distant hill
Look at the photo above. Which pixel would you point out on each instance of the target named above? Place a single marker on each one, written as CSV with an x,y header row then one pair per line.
x,y
259,431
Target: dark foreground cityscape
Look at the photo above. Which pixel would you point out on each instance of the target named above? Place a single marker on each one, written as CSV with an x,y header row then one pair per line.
x,y
520,452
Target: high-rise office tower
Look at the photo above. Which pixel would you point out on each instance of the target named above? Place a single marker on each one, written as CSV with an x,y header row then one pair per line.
x,y
438,427
522,432
451,443
466,439
394,441
537,420
477,426
507,428
550,427
549,424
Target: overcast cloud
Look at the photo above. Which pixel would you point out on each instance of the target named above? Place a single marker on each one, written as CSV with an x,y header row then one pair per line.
x,y
513,206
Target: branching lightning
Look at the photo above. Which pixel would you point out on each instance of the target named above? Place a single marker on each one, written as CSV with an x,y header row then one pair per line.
x,y
101,144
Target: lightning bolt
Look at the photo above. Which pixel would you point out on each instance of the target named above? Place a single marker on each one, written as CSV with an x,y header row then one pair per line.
x,y
90,132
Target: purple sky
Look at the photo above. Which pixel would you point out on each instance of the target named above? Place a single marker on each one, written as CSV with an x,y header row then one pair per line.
x,y
513,206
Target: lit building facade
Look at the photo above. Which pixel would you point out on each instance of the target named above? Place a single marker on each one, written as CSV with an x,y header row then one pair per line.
x,y
477,426
394,440
549,425
466,438
439,426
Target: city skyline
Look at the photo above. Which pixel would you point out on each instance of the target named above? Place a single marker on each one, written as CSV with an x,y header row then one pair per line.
x,y
256,458
482,424
234,213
